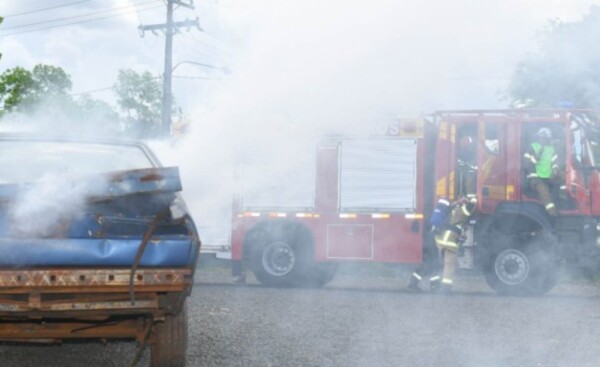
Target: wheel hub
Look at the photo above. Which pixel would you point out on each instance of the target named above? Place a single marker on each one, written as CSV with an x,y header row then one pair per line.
x,y
512,266
278,258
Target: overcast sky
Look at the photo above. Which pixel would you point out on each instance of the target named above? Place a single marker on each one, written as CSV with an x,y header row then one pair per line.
x,y
410,55
297,68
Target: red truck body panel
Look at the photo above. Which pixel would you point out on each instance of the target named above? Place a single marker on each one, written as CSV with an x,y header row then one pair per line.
x,y
397,237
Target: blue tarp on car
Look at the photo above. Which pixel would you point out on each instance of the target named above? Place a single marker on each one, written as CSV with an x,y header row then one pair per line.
x,y
164,252
106,230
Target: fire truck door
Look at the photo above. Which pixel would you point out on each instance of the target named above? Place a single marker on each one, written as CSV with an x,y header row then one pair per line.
x,y
493,171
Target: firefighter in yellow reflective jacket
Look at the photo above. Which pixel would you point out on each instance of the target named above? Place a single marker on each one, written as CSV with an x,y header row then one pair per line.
x,y
431,255
542,161
449,238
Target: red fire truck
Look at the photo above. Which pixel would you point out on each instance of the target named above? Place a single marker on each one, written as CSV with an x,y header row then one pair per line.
x,y
370,198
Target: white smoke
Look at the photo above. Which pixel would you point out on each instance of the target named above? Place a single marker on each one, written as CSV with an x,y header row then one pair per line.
x,y
47,206
304,69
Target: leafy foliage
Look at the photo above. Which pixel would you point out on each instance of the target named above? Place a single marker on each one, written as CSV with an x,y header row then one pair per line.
x,y
1,20
43,98
22,90
15,86
140,98
97,115
44,94
564,70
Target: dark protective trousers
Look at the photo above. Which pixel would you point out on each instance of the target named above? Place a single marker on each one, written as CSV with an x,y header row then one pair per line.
x,y
542,188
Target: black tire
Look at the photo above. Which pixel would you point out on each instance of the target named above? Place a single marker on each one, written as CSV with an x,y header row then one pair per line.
x,y
170,347
320,274
326,272
283,257
521,266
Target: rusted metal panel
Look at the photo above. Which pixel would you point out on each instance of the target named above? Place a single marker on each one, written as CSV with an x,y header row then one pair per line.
x,y
113,305
76,302
49,330
57,278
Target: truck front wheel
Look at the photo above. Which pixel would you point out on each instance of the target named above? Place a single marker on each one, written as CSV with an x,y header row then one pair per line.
x,y
522,267
170,347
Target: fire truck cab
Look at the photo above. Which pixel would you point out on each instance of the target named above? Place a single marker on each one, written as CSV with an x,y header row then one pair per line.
x,y
370,198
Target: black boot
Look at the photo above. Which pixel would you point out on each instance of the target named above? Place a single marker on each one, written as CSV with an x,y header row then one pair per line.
x,y
413,284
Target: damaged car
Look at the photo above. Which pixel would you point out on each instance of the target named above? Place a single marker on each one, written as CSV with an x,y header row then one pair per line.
x,y
95,242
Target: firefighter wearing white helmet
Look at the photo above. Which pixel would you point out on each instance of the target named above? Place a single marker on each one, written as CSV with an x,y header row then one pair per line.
x,y
542,163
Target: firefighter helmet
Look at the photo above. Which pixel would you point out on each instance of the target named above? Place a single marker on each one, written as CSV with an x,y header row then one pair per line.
x,y
544,133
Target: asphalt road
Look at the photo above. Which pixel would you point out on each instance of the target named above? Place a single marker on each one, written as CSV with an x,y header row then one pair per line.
x,y
363,320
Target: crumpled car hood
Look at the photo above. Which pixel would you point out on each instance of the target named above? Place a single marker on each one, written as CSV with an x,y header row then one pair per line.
x,y
107,226
113,185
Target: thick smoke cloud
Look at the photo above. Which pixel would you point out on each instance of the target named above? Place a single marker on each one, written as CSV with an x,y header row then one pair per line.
x,y
307,69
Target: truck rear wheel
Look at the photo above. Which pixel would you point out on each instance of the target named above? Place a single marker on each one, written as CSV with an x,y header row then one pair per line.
x,y
283,258
325,273
170,347
522,267
276,263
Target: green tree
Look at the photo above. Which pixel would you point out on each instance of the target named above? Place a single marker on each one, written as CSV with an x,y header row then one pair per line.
x,y
50,81
564,69
98,115
139,96
1,20
15,85
22,90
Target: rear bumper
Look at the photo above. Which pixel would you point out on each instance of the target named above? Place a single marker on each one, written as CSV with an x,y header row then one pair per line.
x,y
89,292
53,304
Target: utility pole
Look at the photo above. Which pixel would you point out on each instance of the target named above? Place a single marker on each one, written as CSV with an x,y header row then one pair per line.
x,y
167,75
170,27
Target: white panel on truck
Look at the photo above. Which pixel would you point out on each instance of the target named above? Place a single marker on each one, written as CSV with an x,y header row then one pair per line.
x,y
287,185
378,174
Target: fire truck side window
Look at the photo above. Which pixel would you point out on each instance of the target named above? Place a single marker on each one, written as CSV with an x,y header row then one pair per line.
x,y
466,159
492,140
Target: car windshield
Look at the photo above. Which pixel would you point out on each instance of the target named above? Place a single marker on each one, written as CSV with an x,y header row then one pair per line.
x,y
27,161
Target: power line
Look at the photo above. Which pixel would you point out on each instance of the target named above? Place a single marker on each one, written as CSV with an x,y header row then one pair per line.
x,y
78,22
202,52
196,77
156,77
169,27
92,91
73,17
137,12
44,9
140,20
213,46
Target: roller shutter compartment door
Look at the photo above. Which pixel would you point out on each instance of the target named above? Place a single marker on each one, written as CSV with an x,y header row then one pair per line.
x,y
378,174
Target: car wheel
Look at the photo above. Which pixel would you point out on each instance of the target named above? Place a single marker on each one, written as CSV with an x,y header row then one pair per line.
x,y
170,347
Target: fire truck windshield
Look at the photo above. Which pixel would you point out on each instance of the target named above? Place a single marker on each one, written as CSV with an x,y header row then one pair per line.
x,y
595,150
592,137
586,140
